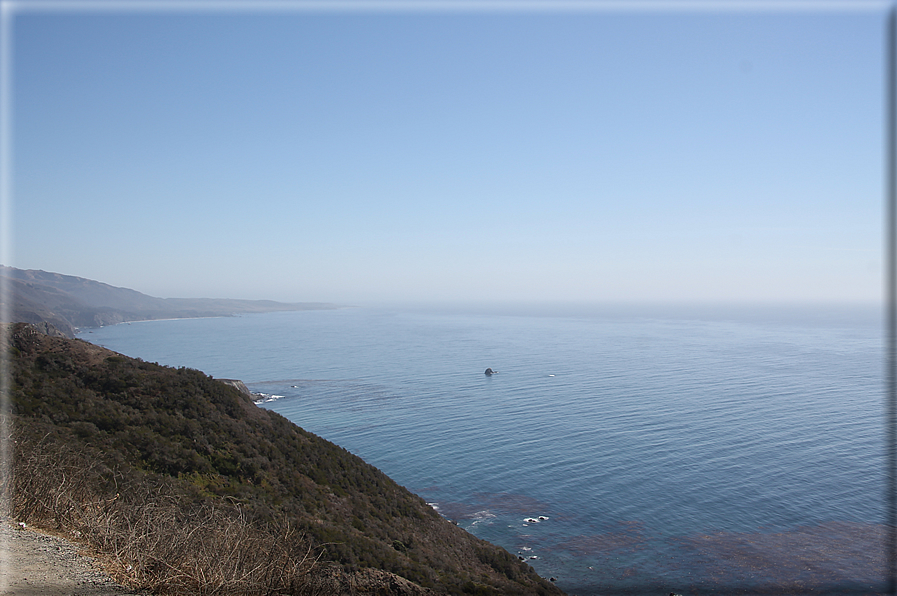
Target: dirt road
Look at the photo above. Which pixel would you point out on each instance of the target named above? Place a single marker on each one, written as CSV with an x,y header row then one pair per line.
x,y
33,564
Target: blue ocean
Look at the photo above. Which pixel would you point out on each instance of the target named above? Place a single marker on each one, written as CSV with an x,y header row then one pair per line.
x,y
617,450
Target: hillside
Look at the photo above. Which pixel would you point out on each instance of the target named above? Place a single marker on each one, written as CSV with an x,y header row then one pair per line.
x,y
68,302
175,475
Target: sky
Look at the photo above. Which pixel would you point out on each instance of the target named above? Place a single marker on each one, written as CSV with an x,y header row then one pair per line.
x,y
371,154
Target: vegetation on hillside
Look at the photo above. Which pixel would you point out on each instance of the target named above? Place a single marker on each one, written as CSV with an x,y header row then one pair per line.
x,y
181,479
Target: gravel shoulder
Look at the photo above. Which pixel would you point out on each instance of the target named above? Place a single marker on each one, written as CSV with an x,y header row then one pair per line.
x,y
33,563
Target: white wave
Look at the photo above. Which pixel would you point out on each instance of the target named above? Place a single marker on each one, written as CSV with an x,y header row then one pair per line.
x,y
482,516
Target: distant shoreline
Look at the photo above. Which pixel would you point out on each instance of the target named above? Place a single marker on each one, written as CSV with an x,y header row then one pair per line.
x,y
72,304
82,329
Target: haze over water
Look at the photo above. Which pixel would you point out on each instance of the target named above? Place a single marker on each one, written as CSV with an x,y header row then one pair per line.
x,y
695,451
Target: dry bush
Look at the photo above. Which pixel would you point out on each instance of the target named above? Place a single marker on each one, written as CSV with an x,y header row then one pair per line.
x,y
157,538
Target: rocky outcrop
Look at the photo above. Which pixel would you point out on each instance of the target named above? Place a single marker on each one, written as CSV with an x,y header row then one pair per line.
x,y
48,329
367,581
238,385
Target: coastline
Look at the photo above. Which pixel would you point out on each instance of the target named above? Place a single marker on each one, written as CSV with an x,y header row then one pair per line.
x,y
363,399
80,330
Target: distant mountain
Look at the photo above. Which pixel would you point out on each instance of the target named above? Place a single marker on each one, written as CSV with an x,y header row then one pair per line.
x,y
68,302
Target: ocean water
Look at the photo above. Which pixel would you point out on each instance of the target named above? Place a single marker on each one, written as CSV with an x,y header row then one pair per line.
x,y
696,452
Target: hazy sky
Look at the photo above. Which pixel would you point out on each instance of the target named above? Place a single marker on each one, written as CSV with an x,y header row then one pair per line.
x,y
511,154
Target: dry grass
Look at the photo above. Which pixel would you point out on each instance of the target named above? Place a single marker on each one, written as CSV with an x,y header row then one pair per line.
x,y
156,538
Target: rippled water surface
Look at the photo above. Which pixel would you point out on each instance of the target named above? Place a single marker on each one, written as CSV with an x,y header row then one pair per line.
x,y
649,453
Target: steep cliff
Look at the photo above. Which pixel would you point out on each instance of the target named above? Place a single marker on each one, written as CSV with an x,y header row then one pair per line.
x,y
135,433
